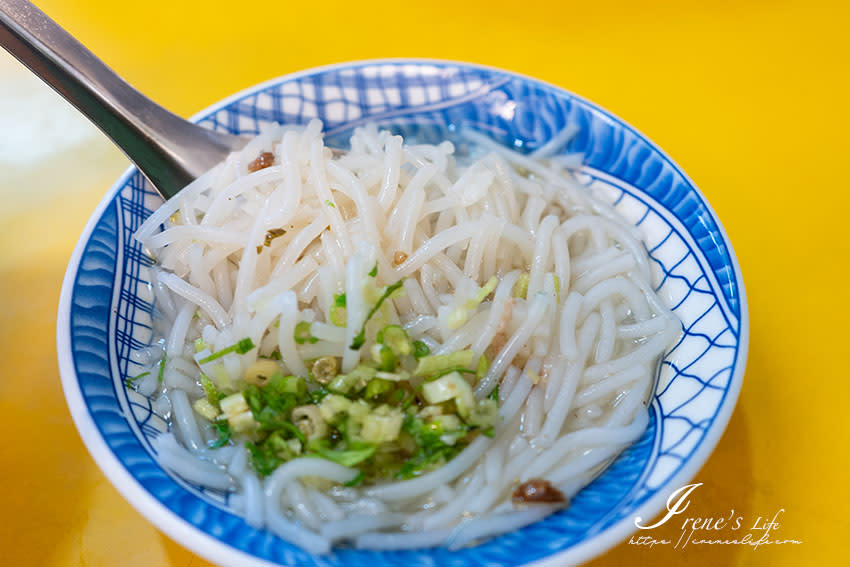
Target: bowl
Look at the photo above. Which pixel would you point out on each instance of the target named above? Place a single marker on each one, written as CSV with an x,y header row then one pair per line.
x,y
105,308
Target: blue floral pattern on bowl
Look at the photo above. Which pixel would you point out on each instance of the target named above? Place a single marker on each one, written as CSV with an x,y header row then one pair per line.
x,y
105,313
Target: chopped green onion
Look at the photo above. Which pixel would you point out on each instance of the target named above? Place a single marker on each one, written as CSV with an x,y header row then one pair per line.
x,y
420,349
214,395
330,203
459,315
449,370
396,396
483,367
484,414
238,413
382,425
359,409
395,338
161,370
384,357
482,293
332,406
241,347
255,399
220,376
432,364
374,271
457,318
338,316
452,386
292,428
398,376
412,396
424,461
356,480
263,458
282,447
521,286
271,406
377,387
362,418
275,355
302,333
358,341
203,407
341,384
222,427
129,381
318,395
356,379
346,458
431,448
494,395
279,385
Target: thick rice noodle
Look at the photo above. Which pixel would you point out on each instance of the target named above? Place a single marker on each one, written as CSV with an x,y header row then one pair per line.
x,y
574,353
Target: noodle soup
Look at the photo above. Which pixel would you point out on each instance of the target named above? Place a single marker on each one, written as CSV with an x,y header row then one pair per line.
x,y
392,347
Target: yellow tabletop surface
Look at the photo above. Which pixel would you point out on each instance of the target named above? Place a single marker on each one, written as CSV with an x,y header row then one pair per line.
x,y
750,97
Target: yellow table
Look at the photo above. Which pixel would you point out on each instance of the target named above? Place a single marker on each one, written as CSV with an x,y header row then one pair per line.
x,y
750,98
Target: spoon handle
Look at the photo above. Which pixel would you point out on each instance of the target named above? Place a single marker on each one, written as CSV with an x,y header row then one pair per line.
x,y
167,149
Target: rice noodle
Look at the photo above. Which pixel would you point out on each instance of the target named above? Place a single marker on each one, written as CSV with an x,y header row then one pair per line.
x,y
571,326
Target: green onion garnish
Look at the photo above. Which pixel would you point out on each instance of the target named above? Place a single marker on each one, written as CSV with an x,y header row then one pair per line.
x,y
483,367
377,387
302,333
161,370
431,364
263,459
356,480
275,355
395,338
214,395
241,347
346,458
420,349
129,381
222,427
358,341
286,426
444,371
494,395
338,316
412,396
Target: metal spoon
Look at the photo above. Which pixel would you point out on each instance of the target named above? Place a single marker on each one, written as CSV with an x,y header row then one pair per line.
x,y
167,149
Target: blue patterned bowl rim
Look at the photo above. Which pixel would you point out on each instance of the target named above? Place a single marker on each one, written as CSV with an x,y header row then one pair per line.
x,y
214,549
